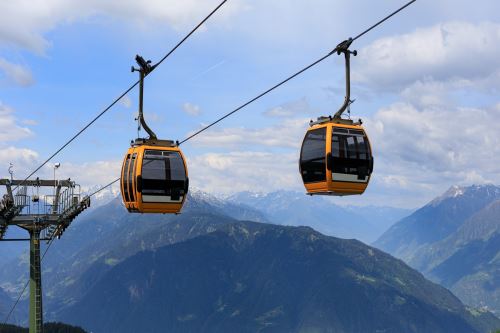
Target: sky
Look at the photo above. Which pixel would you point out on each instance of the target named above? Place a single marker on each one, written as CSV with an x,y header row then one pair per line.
x,y
426,85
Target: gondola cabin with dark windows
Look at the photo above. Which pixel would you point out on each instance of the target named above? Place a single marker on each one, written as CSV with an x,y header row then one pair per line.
x,y
154,178
335,158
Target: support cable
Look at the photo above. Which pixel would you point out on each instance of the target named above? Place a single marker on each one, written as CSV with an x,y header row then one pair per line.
x,y
342,45
122,95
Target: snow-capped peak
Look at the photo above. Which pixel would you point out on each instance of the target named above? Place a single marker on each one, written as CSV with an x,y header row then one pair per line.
x,y
457,191
201,195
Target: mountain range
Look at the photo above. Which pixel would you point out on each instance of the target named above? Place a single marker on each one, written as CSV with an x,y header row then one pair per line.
x,y
254,277
206,270
12,250
91,236
5,302
455,241
322,214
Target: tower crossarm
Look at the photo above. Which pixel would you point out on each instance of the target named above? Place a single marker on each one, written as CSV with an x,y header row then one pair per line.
x,y
53,212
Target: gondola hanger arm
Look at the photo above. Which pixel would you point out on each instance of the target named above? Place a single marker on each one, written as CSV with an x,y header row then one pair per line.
x,y
144,69
344,48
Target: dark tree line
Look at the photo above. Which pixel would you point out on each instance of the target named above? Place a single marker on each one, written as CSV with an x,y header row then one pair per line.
x,y
47,328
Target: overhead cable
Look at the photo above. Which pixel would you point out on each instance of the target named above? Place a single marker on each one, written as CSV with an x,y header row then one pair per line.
x,y
122,95
337,48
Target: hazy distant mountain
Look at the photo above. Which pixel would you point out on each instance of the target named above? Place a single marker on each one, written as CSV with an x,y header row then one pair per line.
x,y
320,213
11,250
250,277
237,210
468,261
5,303
465,258
436,220
103,196
381,217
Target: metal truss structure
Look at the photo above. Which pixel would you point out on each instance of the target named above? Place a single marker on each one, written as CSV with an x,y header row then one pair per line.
x,y
45,217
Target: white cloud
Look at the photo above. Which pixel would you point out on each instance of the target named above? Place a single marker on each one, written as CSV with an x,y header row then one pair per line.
x,y
88,174
16,156
16,73
25,22
290,109
428,93
433,148
226,173
458,52
288,134
22,160
91,176
191,109
9,129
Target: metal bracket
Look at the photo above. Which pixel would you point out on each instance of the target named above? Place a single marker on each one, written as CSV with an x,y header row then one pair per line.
x,y
153,142
330,119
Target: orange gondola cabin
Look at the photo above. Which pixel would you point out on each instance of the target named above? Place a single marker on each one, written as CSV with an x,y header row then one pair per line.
x,y
154,177
336,158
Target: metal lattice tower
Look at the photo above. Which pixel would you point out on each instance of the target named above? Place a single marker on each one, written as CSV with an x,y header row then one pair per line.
x,y
45,217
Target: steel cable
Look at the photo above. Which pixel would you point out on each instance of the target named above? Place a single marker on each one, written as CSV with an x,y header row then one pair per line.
x,y
350,40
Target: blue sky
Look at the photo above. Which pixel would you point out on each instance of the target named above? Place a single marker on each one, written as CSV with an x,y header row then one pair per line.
x,y
426,83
